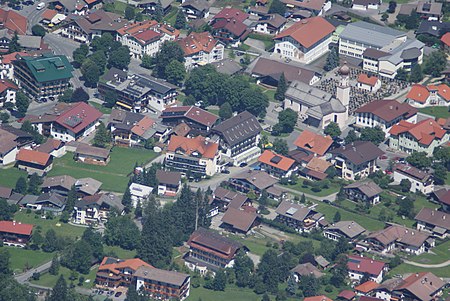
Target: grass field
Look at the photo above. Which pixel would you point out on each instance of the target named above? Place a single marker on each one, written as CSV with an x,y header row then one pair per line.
x,y
439,112
441,254
231,293
366,222
113,176
333,188
21,258
101,108
406,268
120,253
9,176
49,280
46,224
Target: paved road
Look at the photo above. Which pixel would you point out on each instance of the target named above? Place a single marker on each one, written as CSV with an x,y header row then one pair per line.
x,y
429,266
22,278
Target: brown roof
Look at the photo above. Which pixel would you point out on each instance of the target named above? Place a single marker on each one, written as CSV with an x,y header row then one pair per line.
x,y
231,13
190,146
347,294
88,150
443,195
318,165
278,161
368,187
434,217
295,211
147,37
197,42
32,156
428,7
413,172
136,27
367,287
388,110
239,219
79,116
365,265
374,53
64,181
158,275
49,145
314,143
48,14
274,20
235,199
7,141
234,26
401,234
212,242
422,285
308,32
260,179
359,152
5,192
99,20
191,112
182,129
168,177
114,265
307,269
315,5
317,298
274,69
13,21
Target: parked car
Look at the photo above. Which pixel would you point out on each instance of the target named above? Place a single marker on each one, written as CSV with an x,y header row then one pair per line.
x,y
118,294
225,171
243,164
40,6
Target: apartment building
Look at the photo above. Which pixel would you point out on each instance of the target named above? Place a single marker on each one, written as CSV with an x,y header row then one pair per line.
x,y
201,49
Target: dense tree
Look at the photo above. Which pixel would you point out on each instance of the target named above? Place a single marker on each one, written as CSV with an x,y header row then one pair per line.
x,y
332,60
225,111
34,184
78,257
281,88
146,61
105,43
440,174
100,59
30,129
339,272
402,74
66,96
333,130
53,242
155,244
59,291
337,217
38,30
94,239
287,120
351,137
139,17
4,262
80,54
180,21
280,146
309,285
4,117
175,72
243,269
126,200
91,72
102,136
392,7
405,185
21,185
219,282
121,231
410,22
14,45
11,290
416,74
374,135
435,63
133,295
120,58
158,13
80,95
405,207
54,268
277,7
129,12
170,51
419,160
6,210
22,103
254,101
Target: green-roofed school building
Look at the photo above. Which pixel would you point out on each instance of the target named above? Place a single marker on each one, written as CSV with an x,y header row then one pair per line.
x,y
44,76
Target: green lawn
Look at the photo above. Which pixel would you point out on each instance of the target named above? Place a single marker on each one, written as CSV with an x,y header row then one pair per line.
x,y
9,176
441,254
366,222
231,293
439,112
46,224
406,268
101,108
49,280
121,253
113,176
21,258
171,16
333,188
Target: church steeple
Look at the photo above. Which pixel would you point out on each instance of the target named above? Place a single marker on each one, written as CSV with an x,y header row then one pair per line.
x,y
343,89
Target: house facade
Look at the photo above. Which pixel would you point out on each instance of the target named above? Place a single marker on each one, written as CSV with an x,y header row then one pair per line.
x,y
95,209
200,49
34,162
277,165
15,234
358,266
421,180
363,191
433,221
300,218
421,96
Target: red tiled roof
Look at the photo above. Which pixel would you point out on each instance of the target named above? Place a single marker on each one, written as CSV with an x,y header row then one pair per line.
x,y
365,265
424,132
446,39
314,143
234,26
147,36
32,156
132,264
190,145
136,27
418,93
308,31
444,91
231,13
142,126
282,163
15,228
13,21
367,286
201,116
368,80
82,112
5,85
49,14
347,294
197,42
8,58
317,298
388,109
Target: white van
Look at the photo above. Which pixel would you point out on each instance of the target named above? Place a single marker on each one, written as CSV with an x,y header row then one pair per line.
x,y
40,6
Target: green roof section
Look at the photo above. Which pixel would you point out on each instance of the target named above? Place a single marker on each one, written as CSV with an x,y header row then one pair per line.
x,y
49,67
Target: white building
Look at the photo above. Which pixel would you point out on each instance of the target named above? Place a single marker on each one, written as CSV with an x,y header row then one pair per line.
x,y
139,193
368,83
359,266
432,95
421,181
201,49
305,41
365,4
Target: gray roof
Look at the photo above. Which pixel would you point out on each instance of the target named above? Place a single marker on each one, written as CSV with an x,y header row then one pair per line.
x,y
436,218
110,199
227,66
168,177
169,277
260,179
164,3
124,120
296,211
368,187
54,198
28,199
238,128
139,85
326,108
64,181
405,51
307,269
307,95
33,42
89,150
358,152
350,229
88,185
370,34
200,5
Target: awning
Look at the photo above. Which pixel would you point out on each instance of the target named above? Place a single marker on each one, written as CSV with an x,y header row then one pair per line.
x,y
290,5
123,105
202,63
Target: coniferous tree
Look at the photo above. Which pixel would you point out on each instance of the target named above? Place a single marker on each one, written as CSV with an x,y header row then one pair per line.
x,y
281,88
34,184
102,137
54,268
21,185
180,21
126,200
60,290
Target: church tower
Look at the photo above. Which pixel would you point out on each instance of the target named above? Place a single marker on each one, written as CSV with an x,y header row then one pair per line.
x,y
343,89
